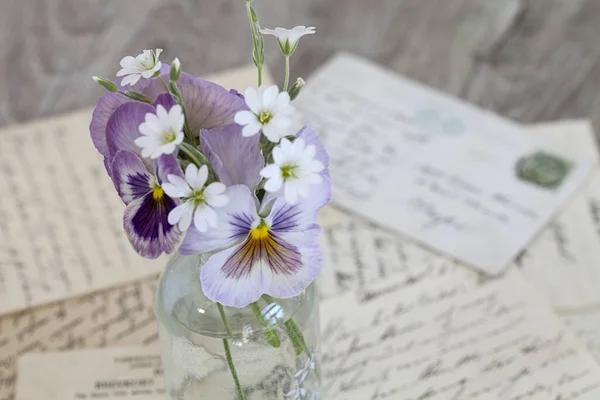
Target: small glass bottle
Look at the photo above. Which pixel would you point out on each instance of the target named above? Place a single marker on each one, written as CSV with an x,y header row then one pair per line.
x,y
268,350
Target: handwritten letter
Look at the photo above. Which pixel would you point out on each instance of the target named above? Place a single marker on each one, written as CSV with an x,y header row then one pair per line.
x,y
427,341
120,316
564,260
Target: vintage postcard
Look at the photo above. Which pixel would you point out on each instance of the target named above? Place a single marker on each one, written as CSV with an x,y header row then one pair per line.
x,y
461,180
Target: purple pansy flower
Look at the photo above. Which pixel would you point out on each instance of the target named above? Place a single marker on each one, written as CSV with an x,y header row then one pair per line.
x,y
146,216
138,180
263,248
208,106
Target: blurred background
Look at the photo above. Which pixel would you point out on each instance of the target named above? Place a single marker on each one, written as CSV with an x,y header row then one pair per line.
x,y
529,60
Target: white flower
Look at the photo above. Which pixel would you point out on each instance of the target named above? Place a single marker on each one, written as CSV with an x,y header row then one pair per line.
x,y
294,168
145,65
161,132
269,110
198,201
288,38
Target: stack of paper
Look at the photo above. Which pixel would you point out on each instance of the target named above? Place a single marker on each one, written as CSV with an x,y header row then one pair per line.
x,y
433,201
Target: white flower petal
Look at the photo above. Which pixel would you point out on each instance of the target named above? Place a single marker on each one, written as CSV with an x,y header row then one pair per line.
x,y
214,189
270,96
217,201
251,129
175,187
200,178
244,117
190,173
273,184
272,132
252,100
131,79
290,192
271,170
182,214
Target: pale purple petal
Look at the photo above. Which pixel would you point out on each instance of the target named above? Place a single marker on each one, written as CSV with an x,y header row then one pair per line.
x,y
166,100
236,219
166,165
107,104
123,127
281,265
285,217
208,105
310,137
236,159
236,289
130,176
290,280
147,227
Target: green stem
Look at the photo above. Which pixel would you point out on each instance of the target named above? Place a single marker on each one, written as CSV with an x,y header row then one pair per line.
x,y
192,154
272,337
287,73
254,40
164,84
238,386
294,333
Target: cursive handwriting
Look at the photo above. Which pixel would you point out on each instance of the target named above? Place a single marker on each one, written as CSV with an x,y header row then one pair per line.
x,y
61,226
121,316
491,342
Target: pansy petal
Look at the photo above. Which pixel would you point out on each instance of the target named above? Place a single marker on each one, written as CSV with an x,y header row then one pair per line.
x,y
236,219
288,277
285,217
166,165
107,104
166,100
311,138
208,104
236,159
236,288
147,227
123,127
130,176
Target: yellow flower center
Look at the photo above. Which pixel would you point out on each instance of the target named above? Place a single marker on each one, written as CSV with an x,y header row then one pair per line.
x,y
198,197
158,193
169,136
288,171
264,117
260,232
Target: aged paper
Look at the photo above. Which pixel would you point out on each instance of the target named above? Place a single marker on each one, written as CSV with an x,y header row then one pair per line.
x,y
61,229
423,340
421,336
564,261
119,316
586,325
463,181
115,373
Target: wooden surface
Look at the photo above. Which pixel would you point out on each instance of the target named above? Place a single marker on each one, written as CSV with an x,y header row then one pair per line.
x,y
530,60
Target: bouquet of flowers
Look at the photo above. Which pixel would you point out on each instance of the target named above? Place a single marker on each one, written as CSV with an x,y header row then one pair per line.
x,y
211,171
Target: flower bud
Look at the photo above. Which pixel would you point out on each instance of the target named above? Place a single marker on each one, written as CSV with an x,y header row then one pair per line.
x,y
106,84
253,14
175,70
295,89
137,96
